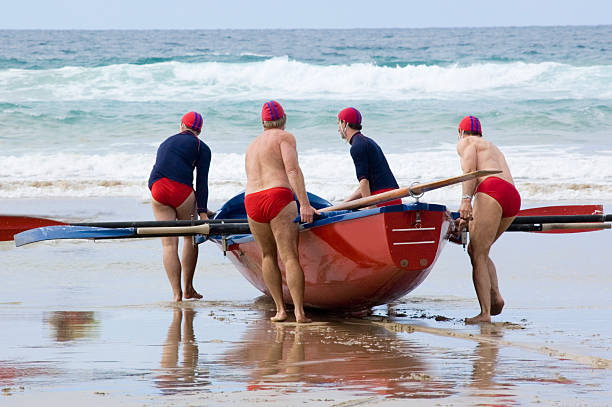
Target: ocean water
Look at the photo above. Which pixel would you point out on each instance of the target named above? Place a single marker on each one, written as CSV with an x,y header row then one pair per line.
x,y
82,112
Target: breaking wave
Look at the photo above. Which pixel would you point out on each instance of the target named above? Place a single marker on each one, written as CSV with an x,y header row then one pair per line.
x,y
544,175
293,80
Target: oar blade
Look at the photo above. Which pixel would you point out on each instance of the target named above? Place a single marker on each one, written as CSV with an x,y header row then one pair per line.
x,y
10,225
71,232
564,210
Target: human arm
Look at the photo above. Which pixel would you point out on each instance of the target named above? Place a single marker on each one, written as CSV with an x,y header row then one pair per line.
x,y
295,177
355,195
359,155
364,187
202,170
469,162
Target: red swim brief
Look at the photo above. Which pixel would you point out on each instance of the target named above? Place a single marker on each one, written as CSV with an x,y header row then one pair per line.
x,y
393,202
504,193
169,192
263,206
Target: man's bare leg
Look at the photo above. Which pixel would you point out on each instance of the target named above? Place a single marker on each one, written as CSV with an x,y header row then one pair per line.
x,y
269,264
285,232
497,301
172,264
189,261
483,232
186,211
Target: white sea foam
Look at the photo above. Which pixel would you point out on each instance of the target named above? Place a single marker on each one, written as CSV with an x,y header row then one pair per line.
x,y
543,174
288,79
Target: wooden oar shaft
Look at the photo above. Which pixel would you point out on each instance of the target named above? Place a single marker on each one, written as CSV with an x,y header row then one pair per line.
x,y
174,230
561,219
407,191
562,226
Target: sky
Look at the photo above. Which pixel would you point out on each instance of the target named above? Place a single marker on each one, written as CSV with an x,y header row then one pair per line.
x,y
242,14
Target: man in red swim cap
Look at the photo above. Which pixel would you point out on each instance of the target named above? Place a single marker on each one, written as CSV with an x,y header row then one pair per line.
x,y
371,167
496,203
273,176
173,197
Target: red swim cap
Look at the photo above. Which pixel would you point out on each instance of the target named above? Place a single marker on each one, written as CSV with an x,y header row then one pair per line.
x,y
272,111
471,124
193,120
350,115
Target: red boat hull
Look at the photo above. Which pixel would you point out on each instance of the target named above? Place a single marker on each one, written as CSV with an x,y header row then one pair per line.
x,y
358,262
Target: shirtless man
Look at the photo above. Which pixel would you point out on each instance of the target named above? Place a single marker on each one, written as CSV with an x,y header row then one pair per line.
x,y
273,175
371,167
496,203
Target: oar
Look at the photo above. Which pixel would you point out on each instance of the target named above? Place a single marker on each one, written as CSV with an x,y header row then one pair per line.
x,y
407,191
89,232
13,224
557,219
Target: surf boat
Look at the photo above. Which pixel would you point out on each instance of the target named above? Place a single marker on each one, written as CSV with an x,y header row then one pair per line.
x,y
352,259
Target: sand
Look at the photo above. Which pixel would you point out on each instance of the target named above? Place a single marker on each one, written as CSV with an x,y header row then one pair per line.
x,y
86,323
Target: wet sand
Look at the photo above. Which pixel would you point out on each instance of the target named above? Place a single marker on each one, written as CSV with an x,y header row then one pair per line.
x,y
90,323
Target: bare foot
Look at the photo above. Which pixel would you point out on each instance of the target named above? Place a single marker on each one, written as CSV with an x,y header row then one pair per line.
x,y
497,304
192,294
279,317
478,319
178,297
302,319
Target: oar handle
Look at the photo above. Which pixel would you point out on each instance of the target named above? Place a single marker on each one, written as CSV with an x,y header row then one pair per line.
x,y
174,230
548,227
561,219
564,226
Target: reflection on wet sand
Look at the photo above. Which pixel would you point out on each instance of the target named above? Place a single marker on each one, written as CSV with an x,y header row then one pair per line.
x,y
175,377
485,366
358,357
12,373
485,358
72,325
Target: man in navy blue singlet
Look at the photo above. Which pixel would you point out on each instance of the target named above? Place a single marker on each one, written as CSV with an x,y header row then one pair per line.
x,y
173,197
371,166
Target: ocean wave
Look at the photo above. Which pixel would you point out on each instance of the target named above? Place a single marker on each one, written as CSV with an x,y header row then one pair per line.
x,y
542,174
289,79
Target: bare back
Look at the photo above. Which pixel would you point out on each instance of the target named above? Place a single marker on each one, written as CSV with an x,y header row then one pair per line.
x,y
266,159
479,154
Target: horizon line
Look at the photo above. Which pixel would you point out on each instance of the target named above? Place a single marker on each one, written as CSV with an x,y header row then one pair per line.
x,y
304,28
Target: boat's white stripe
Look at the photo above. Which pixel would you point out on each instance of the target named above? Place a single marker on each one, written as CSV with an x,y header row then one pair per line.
x,y
425,242
411,230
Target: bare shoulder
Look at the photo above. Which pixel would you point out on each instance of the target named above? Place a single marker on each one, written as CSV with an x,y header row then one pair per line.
x,y
286,137
465,143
